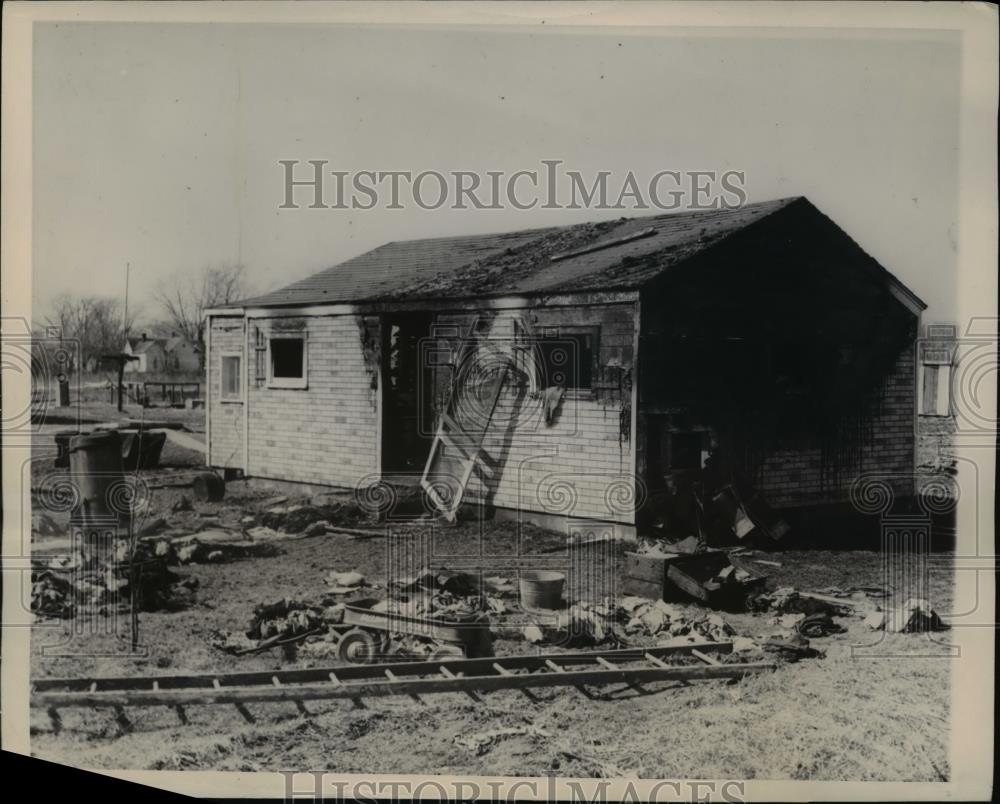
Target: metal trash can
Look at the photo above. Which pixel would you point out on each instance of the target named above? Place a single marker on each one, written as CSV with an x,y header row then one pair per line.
x,y
95,463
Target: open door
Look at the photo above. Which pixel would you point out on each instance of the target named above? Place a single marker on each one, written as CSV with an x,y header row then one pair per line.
x,y
407,417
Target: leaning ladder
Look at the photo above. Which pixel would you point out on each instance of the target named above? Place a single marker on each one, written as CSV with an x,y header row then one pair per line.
x,y
445,488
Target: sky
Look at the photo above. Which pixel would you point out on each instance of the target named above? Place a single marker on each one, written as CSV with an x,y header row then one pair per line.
x,y
157,145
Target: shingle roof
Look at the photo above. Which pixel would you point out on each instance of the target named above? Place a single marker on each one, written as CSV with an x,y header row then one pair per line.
x,y
610,255
170,344
140,345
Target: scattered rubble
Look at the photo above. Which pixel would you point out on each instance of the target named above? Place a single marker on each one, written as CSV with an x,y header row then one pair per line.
x,y
64,588
786,600
346,583
209,547
654,618
706,576
789,647
276,623
913,616
818,625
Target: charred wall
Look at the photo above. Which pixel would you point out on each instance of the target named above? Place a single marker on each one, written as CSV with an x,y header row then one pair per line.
x,y
786,345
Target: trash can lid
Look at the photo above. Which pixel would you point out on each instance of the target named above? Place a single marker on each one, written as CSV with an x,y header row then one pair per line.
x,y
99,438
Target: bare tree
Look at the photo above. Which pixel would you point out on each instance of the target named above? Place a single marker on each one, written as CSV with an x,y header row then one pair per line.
x,y
96,323
184,299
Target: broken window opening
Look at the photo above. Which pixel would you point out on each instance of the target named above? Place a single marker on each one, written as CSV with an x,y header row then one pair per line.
x,y
288,362
567,360
231,375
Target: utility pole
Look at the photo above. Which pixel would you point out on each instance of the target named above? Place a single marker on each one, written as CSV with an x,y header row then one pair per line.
x,y
128,268
121,363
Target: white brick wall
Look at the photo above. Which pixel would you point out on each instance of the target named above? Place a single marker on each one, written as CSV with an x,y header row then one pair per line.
x,y
225,449
326,433
581,466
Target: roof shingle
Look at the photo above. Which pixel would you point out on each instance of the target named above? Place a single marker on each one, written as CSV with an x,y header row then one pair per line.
x,y
515,263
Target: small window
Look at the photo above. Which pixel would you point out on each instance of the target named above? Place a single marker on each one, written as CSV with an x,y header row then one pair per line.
x,y
231,385
935,390
287,363
567,359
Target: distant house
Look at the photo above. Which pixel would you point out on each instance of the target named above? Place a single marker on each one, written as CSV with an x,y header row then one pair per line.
x,y
151,354
172,355
183,355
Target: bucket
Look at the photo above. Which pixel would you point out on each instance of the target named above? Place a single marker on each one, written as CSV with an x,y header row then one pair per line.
x,y
541,589
209,487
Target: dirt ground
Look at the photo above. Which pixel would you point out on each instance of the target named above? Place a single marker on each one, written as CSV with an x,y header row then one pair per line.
x,y
884,716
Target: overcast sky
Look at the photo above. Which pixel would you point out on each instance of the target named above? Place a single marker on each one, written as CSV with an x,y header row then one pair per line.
x,y
158,145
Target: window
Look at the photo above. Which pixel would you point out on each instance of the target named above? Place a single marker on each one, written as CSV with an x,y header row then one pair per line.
x,y
935,390
231,385
287,364
567,359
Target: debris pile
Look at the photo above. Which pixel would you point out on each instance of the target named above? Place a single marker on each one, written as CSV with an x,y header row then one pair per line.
x,y
674,624
64,588
789,647
208,547
913,616
296,518
582,624
697,574
346,583
280,623
786,600
818,625
313,628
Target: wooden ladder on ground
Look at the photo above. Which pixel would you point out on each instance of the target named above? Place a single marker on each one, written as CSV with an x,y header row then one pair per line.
x,y
630,666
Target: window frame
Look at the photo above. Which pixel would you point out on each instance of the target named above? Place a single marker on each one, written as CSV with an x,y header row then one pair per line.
x,y
238,398
928,405
288,383
594,331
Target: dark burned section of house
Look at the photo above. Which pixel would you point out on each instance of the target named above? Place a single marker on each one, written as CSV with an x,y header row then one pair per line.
x,y
592,372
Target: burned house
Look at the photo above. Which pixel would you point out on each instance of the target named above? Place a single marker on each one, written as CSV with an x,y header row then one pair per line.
x,y
575,372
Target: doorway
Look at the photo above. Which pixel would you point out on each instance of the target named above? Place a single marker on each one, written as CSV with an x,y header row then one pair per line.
x,y
407,411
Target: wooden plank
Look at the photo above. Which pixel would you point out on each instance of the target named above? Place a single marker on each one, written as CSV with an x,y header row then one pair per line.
x,y
240,696
618,241
705,657
448,674
645,568
503,671
642,588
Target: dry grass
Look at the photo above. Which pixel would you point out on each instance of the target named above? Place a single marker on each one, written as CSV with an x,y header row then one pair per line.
x,y
842,717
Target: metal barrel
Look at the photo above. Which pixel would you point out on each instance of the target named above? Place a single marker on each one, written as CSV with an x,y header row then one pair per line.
x,y
95,463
